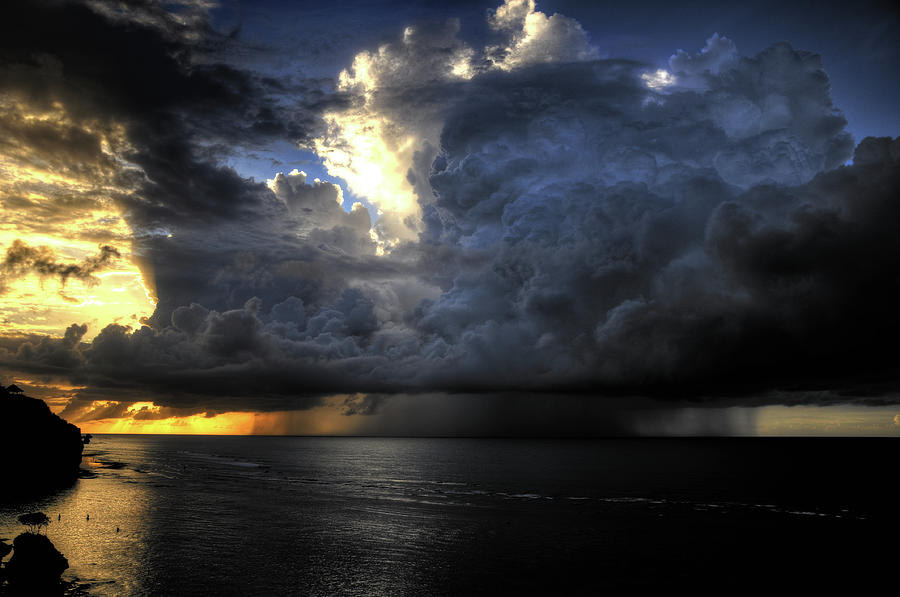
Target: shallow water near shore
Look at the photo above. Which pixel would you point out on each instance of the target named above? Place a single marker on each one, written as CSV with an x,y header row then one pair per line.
x,y
189,515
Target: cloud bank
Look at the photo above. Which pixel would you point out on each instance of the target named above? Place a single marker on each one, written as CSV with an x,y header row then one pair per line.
x,y
545,220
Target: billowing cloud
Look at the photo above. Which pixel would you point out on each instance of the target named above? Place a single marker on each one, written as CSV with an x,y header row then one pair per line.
x,y
597,223
319,215
534,38
384,141
376,142
719,52
533,218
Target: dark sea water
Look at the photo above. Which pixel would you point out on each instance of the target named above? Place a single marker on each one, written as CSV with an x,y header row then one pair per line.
x,y
363,516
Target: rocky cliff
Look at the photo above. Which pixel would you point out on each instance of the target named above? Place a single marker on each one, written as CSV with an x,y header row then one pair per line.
x,y
42,450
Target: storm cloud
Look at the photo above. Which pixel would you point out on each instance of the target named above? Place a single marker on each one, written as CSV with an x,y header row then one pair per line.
x,y
533,218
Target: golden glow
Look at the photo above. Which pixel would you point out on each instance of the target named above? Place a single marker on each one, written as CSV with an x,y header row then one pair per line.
x,y
371,146
61,198
837,420
59,386
200,424
322,420
373,155
33,304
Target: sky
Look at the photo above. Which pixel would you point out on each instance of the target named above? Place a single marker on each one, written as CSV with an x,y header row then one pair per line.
x,y
465,218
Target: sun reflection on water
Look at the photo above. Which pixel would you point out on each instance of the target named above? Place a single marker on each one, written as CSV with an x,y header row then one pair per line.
x,y
84,522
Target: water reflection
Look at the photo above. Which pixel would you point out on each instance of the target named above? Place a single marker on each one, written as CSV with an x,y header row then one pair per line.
x,y
365,516
84,519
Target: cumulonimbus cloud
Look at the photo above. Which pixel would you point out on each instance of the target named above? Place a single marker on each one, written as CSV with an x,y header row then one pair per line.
x,y
551,221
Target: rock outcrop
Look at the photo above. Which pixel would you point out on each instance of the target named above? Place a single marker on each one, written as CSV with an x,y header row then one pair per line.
x,y
36,566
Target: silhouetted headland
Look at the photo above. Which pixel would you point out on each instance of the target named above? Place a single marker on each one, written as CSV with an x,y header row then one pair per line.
x,y
43,451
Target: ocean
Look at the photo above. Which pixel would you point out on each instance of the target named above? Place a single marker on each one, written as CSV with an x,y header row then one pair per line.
x,y
212,515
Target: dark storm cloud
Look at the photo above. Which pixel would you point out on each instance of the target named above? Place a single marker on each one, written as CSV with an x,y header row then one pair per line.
x,y
363,404
66,147
233,359
149,81
588,228
522,414
146,67
759,303
51,356
604,265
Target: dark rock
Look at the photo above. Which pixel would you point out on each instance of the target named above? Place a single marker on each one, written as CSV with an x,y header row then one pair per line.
x,y
35,567
44,451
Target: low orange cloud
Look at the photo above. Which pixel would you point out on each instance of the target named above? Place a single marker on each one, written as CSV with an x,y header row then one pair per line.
x,y
148,418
